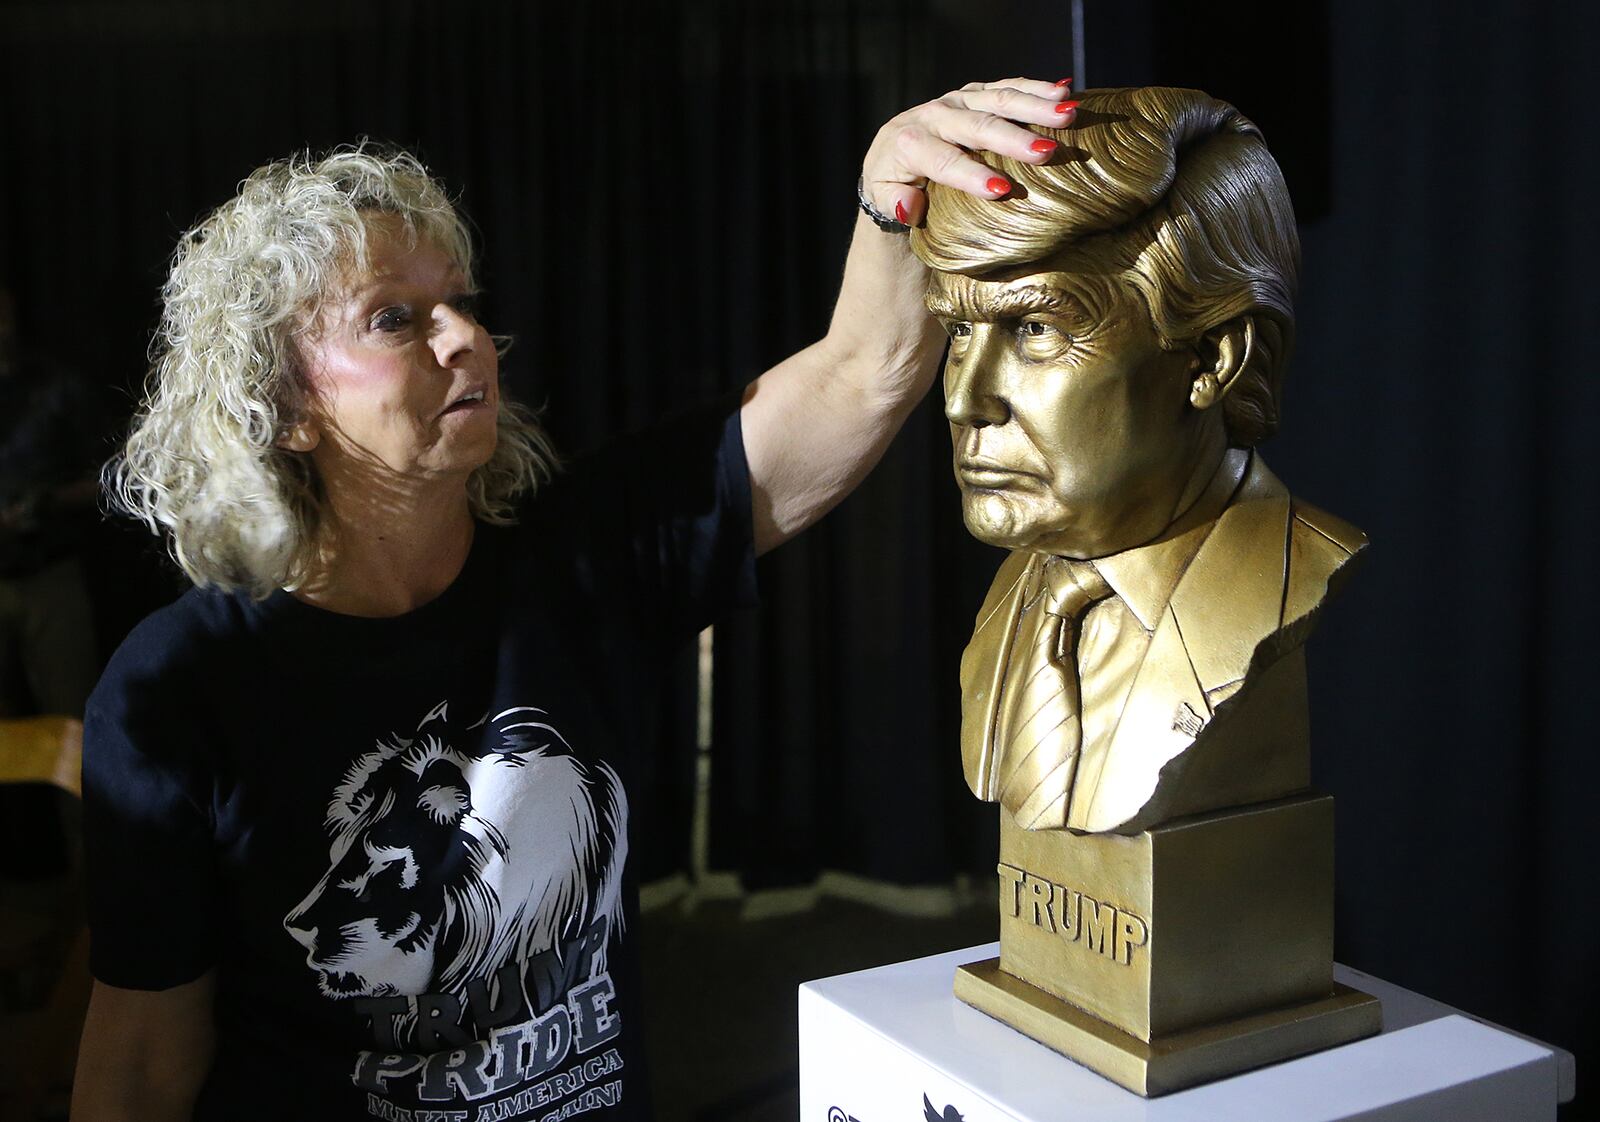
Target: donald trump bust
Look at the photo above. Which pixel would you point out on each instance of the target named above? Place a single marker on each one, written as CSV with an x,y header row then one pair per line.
x,y
1119,326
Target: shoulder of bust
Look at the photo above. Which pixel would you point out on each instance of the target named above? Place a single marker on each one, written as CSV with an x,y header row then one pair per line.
x,y
1330,526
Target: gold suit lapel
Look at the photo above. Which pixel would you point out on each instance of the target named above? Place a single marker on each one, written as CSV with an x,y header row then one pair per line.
x,y
1232,596
1229,599
983,667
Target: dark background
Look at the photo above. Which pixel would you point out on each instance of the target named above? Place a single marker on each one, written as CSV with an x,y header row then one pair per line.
x,y
664,193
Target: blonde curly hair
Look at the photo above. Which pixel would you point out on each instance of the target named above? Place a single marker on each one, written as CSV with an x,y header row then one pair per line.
x,y
202,462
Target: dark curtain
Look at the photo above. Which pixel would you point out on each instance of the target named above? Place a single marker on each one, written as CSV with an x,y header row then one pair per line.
x,y
1443,396
563,130
1445,399
664,195
835,705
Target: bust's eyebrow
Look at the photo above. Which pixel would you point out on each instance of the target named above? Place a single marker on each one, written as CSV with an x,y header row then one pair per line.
x,y
965,300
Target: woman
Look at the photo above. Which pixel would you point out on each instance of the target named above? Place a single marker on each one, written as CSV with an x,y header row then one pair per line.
x,y
357,804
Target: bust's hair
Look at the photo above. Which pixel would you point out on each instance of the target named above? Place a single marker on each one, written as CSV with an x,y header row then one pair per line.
x,y
1173,191
202,461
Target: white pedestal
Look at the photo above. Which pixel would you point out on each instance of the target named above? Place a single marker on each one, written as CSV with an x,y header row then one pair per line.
x,y
874,1043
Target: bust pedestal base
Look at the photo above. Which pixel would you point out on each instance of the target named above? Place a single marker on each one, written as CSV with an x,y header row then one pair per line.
x,y
1192,923
1181,1059
1195,949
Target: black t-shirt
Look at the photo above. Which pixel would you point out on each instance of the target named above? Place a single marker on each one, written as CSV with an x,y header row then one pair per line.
x,y
402,842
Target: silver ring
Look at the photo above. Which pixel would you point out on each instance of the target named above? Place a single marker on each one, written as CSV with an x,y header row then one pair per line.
x,y
885,223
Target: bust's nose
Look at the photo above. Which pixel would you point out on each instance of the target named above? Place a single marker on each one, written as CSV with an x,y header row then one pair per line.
x,y
972,393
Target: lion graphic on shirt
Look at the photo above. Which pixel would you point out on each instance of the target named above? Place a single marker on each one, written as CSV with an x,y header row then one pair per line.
x,y
458,850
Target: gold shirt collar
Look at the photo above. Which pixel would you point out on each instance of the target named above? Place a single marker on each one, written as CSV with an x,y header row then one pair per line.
x,y
1145,576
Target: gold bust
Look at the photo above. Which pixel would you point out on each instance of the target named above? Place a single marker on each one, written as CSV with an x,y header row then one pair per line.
x,y
1119,329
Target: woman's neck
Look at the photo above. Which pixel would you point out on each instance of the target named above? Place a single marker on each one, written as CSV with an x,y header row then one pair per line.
x,y
389,557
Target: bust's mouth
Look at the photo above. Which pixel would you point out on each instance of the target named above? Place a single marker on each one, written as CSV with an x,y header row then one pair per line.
x,y
990,475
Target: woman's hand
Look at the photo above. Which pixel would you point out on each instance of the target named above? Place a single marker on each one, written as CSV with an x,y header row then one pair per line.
x,y
933,141
816,423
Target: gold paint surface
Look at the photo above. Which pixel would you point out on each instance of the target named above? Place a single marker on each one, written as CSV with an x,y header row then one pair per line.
x,y
1235,910
1120,323
1173,1062
1214,648
1119,328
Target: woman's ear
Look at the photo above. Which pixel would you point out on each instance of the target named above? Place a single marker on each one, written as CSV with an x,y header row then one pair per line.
x,y
1224,352
302,436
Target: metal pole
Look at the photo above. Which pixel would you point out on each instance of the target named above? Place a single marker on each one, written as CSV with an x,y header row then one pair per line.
x,y
1080,67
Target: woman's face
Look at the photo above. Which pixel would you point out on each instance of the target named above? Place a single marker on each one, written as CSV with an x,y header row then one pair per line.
x,y
403,380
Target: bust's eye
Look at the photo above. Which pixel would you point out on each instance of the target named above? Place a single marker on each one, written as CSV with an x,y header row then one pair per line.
x,y
959,329
1043,339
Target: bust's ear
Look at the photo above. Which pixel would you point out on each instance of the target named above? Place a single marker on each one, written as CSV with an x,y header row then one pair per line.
x,y
1223,353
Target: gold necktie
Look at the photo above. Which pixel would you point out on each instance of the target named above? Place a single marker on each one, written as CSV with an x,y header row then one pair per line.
x,y
1042,731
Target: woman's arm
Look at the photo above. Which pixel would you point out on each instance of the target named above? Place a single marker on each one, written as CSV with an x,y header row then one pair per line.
x,y
815,424
145,1053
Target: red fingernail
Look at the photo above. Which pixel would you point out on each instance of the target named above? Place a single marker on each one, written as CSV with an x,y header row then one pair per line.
x,y
998,185
900,215
1043,144
1065,82
1066,105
